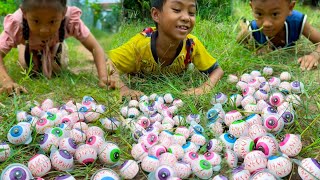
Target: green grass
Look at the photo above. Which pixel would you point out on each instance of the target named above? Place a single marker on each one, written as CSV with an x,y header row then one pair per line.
x,y
219,38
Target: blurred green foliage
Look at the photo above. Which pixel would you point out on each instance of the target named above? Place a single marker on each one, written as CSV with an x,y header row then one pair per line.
x,y
8,6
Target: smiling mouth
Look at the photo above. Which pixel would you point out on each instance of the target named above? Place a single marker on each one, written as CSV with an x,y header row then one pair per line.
x,y
183,27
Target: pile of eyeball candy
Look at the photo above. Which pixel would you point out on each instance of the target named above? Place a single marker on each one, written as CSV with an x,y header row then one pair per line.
x,y
67,136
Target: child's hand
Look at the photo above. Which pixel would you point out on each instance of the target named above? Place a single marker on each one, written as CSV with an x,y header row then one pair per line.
x,y
309,61
127,92
11,87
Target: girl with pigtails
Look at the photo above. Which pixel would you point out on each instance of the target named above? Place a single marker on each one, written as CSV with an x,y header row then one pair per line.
x,y
38,29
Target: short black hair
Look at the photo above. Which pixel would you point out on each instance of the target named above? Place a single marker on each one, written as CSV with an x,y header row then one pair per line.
x,y
158,4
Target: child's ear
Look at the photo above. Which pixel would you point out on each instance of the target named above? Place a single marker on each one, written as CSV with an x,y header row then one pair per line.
x,y
155,14
291,6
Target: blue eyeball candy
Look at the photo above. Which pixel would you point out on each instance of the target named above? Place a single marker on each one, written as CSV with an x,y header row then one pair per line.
x,y
190,147
68,144
62,160
129,169
16,171
291,145
202,168
85,154
4,151
105,174
109,153
65,177
88,100
268,145
280,165
164,172
215,115
309,168
19,134
110,124
228,140
39,165
150,163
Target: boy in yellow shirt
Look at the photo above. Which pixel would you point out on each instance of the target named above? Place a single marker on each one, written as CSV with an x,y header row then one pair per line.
x,y
168,48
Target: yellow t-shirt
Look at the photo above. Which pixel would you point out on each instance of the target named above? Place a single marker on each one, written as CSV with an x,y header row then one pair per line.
x,y
135,56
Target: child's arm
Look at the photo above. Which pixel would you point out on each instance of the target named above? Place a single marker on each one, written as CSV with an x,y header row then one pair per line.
x,y
99,58
312,60
214,77
7,84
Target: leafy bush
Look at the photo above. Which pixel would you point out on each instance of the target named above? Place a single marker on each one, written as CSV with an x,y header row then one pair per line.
x,y
8,6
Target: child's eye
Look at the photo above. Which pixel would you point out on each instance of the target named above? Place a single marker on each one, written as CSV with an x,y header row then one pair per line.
x,y
275,14
176,10
52,22
36,21
192,13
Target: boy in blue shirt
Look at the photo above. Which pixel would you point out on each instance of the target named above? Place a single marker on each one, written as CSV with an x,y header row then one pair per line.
x,y
277,25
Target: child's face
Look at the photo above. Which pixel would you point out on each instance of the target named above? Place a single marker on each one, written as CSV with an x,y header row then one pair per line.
x,y
271,14
177,18
44,22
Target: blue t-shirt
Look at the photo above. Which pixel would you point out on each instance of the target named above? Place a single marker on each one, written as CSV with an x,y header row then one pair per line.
x,y
294,25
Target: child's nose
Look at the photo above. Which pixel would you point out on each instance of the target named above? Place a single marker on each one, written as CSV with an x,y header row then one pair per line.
x,y
185,16
44,29
267,23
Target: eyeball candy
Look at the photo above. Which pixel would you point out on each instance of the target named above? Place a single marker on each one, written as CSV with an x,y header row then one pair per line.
x,y
255,73
68,144
269,110
267,71
178,120
42,125
48,142
189,157
246,77
243,146
143,121
139,151
290,145
105,173
81,125
216,128
16,171
182,169
65,177
183,130
85,154
309,168
198,139
219,177
231,158
133,112
214,145
288,117
276,99
248,91
19,134
150,163
168,120
58,132
255,160
124,111
216,114
279,165
228,140
256,131
4,151
110,124
155,117
254,83
202,168
262,104
78,135
260,79
240,173
149,139
297,87
239,128
232,78
61,160
47,104
241,85
163,172
285,76
248,100
37,111
168,98
179,139
157,150
176,150
268,145
265,86
193,117
232,116
219,98
261,94
109,153
285,87
133,103
39,165
235,100
213,157
190,147
274,82
273,123
96,142
167,159
253,119
293,99
262,175
21,116
94,131
129,169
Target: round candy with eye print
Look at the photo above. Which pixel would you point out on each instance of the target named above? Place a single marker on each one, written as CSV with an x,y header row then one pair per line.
x,y
254,83
21,116
182,169
267,71
239,128
253,119
48,141
78,135
177,150
129,169
198,139
68,144
105,173
235,100
255,73
232,78
193,117
285,76
110,124
232,116
274,82
309,168
240,173
183,130
216,128
293,99
219,177
168,158
273,123
228,139
285,87
213,157
143,121
109,153
47,104
248,100
164,172
291,145
133,103
62,160
214,145
179,139
96,142
168,98
265,86
58,132
251,108
157,150
85,154
297,87
255,160
261,94
243,146
16,171
124,111
139,151
219,98
241,85
81,125
256,131
262,175
231,158
19,134
248,91
189,157
246,77
268,145
280,165
150,163
276,99
5,151
202,168
288,117
65,177
95,131
190,147
149,139
39,165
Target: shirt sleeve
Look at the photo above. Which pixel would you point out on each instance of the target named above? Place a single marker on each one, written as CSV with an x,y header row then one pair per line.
x,y
202,60
11,33
75,26
125,56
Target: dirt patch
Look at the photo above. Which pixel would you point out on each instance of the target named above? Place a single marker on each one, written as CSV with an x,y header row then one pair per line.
x,y
88,65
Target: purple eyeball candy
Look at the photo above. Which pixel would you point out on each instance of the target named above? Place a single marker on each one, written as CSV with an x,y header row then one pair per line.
x,y
213,157
182,169
232,78
96,142
189,157
214,145
240,173
268,145
168,98
273,123
193,117
243,146
5,151
290,145
280,165
150,163
47,104
168,158
263,174
190,147
219,177
297,87
241,85
255,160
62,160
231,158
183,130
309,168
202,168
65,177
68,144
255,73
248,100
246,77
232,116
16,171
265,86
133,103
216,128
39,165
129,169
109,153
228,140
85,154
48,142
219,98
19,134
239,128
256,131
179,139
110,124
235,100
139,151
248,91
105,173
276,99
287,116
176,150
163,172
253,119
95,131
269,111
261,94
267,71
78,135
